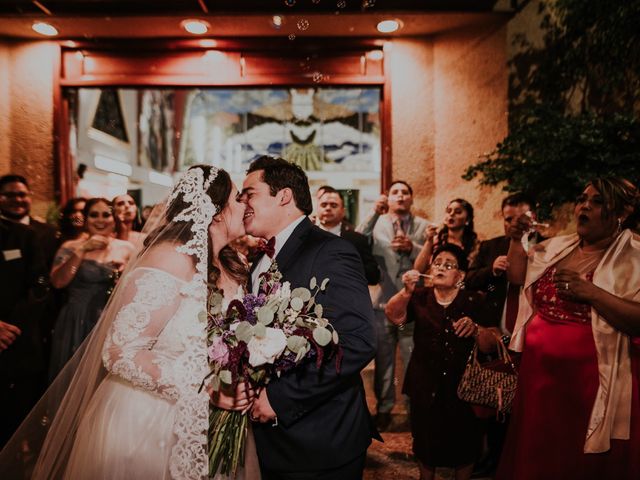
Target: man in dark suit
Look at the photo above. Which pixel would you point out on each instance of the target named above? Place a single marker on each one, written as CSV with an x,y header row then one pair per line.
x,y
487,273
331,219
15,205
311,422
23,287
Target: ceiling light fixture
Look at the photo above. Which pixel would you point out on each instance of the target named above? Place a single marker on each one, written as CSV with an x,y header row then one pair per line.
x,y
277,21
388,26
45,29
195,27
375,55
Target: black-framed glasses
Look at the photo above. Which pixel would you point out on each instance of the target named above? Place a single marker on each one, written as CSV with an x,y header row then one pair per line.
x,y
445,265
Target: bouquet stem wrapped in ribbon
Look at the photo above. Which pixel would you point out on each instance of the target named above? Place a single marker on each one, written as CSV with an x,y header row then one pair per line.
x,y
255,339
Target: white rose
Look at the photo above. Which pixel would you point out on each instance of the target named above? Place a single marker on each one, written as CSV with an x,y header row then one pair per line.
x,y
265,349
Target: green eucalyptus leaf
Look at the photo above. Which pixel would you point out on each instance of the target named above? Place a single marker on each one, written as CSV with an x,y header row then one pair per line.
x,y
313,283
302,293
265,315
297,303
244,331
322,336
296,342
225,377
259,330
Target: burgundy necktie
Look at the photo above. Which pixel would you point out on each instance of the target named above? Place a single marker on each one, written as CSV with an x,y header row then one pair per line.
x,y
511,310
268,247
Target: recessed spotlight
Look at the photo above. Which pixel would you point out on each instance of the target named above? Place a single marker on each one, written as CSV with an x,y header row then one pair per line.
x,y
388,26
375,55
277,21
196,27
45,29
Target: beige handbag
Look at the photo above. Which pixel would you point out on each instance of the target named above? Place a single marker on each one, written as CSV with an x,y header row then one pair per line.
x,y
492,384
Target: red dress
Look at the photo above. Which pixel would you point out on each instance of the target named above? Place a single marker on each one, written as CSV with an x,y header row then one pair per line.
x,y
557,387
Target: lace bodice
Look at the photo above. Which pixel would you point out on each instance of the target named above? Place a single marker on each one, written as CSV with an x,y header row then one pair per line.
x,y
157,342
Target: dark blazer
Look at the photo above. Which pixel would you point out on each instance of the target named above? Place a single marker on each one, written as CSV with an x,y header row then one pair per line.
x,y
371,269
23,289
480,276
48,238
323,419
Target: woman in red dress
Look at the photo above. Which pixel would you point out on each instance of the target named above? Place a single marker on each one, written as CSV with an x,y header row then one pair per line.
x,y
576,414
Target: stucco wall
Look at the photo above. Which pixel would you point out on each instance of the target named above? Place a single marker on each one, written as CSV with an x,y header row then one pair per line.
x,y
413,126
5,144
28,98
449,106
470,113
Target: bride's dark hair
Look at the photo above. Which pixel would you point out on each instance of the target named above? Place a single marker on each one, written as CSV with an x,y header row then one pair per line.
x,y
168,230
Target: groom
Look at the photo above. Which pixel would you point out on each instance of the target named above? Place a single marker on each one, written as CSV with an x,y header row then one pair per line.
x,y
311,422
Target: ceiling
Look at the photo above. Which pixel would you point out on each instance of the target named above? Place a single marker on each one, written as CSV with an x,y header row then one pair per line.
x,y
113,19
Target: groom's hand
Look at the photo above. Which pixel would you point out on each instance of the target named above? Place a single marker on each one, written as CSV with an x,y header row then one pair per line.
x,y
240,400
262,411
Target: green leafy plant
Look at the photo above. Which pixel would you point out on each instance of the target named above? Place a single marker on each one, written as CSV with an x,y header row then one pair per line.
x,y
574,103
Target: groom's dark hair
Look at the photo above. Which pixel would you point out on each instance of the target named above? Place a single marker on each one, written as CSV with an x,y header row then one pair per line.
x,y
279,174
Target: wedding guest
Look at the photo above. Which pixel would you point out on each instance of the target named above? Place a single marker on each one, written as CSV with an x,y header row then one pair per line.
x,y
15,205
397,236
125,212
487,274
576,414
145,214
22,292
458,229
72,219
331,215
448,320
88,268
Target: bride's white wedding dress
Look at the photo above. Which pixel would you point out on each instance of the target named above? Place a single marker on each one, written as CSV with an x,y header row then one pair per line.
x,y
146,419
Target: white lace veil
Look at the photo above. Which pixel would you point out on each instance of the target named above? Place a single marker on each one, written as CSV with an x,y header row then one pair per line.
x,y
41,446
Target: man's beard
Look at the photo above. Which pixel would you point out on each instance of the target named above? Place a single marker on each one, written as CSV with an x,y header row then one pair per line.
x,y
13,216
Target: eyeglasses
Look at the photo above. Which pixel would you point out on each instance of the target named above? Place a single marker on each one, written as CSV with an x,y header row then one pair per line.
x,y
446,265
14,195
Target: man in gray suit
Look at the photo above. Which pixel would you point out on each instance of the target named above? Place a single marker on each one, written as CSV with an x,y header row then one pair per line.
x,y
397,237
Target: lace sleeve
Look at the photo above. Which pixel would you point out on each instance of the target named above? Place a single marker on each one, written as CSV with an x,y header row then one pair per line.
x,y
151,299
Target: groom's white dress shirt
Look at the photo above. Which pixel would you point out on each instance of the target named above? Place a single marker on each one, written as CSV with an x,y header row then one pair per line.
x,y
265,261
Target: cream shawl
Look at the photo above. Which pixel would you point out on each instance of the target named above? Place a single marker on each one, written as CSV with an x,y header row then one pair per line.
x,y
618,273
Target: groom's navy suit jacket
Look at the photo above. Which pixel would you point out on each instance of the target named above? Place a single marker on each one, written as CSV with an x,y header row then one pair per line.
x,y
323,420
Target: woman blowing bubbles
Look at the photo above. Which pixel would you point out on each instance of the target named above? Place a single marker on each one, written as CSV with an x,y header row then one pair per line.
x,y
446,433
576,414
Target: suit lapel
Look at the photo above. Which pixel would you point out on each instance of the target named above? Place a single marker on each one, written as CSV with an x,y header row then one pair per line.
x,y
288,251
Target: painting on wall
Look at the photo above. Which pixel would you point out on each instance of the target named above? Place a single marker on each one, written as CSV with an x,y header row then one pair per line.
x,y
332,133
156,129
320,129
108,118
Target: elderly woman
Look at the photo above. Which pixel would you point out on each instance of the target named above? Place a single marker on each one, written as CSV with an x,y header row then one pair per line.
x,y
577,411
446,433
458,229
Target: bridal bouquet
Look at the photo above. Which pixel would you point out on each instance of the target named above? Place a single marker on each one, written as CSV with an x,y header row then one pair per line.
x,y
256,338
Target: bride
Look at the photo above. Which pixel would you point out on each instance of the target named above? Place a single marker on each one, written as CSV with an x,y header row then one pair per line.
x,y
128,405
